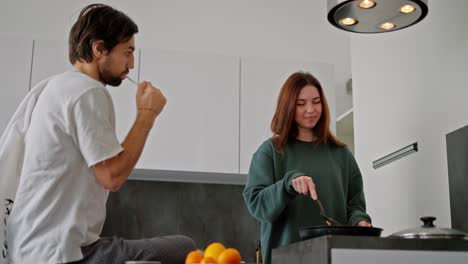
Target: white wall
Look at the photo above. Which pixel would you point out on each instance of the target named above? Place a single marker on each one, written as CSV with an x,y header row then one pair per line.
x,y
292,30
410,85
14,75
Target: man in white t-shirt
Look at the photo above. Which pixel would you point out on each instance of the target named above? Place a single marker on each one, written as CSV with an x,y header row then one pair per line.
x,y
73,158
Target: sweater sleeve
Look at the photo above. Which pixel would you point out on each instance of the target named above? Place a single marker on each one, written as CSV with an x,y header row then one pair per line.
x,y
265,198
356,208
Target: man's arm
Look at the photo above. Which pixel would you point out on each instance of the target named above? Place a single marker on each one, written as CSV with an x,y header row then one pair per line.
x,y
112,173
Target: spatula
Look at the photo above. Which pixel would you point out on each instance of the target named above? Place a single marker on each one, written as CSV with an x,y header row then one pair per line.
x,y
328,220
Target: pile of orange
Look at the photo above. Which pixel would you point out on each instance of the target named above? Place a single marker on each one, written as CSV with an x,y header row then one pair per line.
x,y
215,253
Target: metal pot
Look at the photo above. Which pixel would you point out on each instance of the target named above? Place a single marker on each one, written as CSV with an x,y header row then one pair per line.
x,y
429,230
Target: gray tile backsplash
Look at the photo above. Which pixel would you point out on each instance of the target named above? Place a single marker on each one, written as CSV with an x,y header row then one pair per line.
x,y
204,212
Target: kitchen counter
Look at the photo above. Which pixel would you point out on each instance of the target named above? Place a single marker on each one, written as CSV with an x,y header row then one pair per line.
x,y
357,249
188,176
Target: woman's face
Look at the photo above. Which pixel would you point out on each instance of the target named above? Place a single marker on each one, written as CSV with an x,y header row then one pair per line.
x,y
308,107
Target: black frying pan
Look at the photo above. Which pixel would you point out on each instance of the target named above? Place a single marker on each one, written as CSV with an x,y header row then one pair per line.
x,y
316,231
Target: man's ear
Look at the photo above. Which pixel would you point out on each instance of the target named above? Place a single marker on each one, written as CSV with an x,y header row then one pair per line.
x,y
98,49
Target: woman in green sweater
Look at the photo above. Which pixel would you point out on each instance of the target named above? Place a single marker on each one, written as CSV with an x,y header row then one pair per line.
x,y
301,162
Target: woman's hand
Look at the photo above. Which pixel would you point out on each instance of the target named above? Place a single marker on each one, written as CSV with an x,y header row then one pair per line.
x,y
364,223
305,185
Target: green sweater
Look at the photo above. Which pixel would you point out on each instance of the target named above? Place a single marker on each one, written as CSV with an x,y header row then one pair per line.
x,y
272,200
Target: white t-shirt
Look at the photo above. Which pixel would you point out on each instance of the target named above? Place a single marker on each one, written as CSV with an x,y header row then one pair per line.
x,y
59,204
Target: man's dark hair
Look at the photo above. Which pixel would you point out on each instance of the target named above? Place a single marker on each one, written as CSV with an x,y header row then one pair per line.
x,y
98,22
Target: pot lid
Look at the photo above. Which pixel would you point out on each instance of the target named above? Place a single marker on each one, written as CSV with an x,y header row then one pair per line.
x,y
429,230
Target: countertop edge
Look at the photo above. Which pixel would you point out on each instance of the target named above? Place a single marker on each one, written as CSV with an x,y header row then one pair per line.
x,y
188,176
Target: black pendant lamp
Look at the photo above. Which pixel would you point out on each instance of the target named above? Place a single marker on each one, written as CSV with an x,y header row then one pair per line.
x,y
375,16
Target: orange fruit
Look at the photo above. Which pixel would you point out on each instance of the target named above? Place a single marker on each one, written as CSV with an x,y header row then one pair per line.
x,y
208,260
193,257
229,256
214,249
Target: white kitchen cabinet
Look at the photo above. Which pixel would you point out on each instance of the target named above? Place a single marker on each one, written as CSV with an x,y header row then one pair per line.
x,y
15,70
371,250
199,127
261,81
50,58
219,107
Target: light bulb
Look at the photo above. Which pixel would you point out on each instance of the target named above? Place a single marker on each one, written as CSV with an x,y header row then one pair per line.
x,y
407,9
349,21
366,4
387,25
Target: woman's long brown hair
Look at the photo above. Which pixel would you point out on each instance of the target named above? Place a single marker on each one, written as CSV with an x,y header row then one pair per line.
x,y
284,126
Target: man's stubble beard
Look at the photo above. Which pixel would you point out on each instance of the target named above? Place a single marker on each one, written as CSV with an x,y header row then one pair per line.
x,y
106,75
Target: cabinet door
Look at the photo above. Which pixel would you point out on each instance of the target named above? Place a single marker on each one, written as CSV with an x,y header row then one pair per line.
x,y
50,58
199,127
15,71
261,83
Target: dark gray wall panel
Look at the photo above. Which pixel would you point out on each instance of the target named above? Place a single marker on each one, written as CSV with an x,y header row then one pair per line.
x,y
457,158
205,212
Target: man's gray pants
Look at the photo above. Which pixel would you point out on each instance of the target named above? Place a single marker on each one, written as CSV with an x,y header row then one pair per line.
x,y
114,250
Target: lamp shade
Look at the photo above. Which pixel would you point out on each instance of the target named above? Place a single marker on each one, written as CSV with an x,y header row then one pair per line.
x,y
375,16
